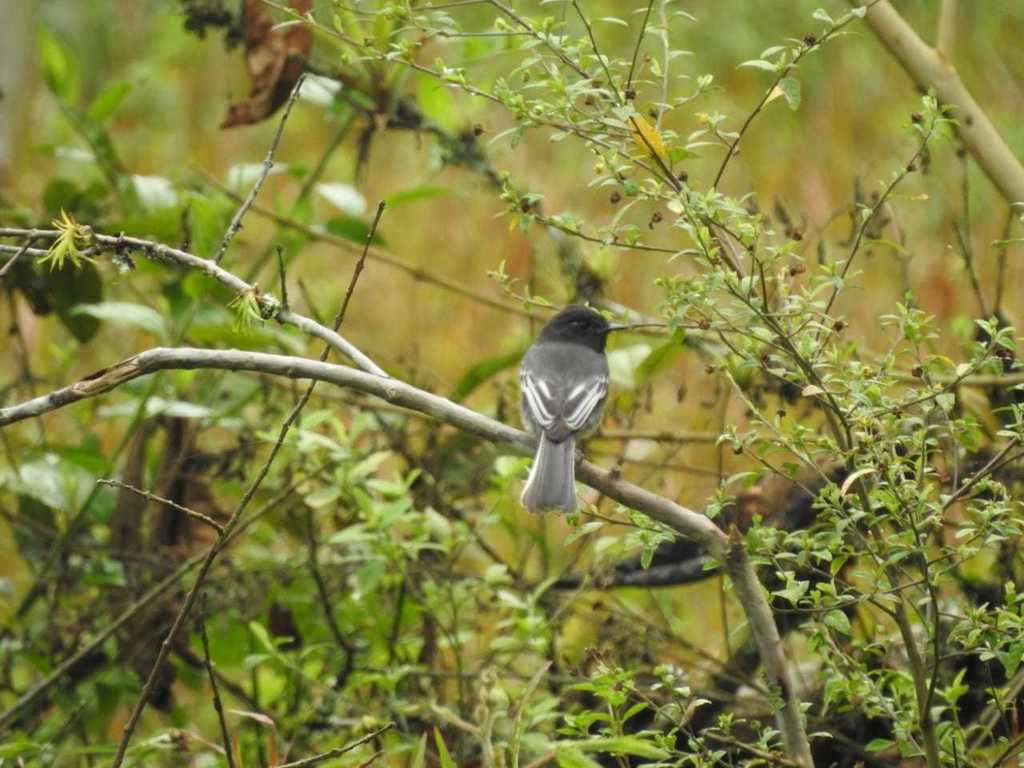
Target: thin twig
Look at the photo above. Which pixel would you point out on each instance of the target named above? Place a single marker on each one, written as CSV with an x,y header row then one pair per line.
x,y
284,278
782,74
311,761
161,500
328,606
217,704
27,700
17,255
268,163
639,40
147,689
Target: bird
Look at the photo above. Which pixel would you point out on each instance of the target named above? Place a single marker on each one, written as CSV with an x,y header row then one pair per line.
x,y
563,380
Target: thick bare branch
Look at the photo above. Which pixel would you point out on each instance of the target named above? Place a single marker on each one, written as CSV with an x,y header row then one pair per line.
x,y
929,69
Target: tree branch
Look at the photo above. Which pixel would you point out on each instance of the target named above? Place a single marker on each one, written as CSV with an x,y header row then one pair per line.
x,y
268,163
269,305
945,37
682,520
930,69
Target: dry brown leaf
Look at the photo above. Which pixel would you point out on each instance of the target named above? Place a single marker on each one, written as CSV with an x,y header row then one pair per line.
x,y
274,59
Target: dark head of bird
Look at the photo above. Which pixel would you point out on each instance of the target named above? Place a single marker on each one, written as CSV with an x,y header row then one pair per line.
x,y
578,325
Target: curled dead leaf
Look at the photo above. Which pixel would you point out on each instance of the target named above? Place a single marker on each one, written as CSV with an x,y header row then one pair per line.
x,y
273,57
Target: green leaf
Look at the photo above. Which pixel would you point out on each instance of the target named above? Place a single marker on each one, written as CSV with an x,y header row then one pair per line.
x,y
354,229
414,194
262,637
660,359
436,101
16,748
107,102
622,745
482,371
125,313
322,497
877,745
442,750
419,760
790,88
573,758
837,620
69,287
59,70
767,66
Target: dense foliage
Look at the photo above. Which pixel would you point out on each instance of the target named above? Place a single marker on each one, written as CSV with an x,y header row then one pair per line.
x,y
851,417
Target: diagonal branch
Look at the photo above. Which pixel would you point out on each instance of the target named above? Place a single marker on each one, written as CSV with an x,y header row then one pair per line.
x,y
930,69
729,551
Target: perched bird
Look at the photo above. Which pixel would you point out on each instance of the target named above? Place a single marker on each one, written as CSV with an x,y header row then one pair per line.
x,y
564,384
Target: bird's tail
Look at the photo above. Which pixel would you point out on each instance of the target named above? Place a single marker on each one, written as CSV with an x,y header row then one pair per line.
x,y
552,480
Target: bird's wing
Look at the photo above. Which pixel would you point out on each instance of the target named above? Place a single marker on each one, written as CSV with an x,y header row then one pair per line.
x,y
558,412
583,400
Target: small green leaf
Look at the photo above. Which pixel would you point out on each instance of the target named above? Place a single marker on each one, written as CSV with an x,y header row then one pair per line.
x,y
442,750
484,370
351,228
790,88
322,497
107,102
622,745
419,760
837,620
125,313
661,358
414,194
767,66
59,70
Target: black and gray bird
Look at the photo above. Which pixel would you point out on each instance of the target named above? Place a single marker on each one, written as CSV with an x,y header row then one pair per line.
x,y
564,384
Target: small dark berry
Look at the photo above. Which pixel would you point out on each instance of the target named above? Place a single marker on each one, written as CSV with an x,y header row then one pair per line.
x,y
797,235
916,117
911,167
839,326
478,130
797,269
615,197
810,40
917,372
524,205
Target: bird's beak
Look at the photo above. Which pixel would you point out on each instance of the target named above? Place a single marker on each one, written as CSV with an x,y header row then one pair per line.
x,y
630,327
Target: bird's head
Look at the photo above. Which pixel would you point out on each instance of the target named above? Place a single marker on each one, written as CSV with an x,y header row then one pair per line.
x,y
578,325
